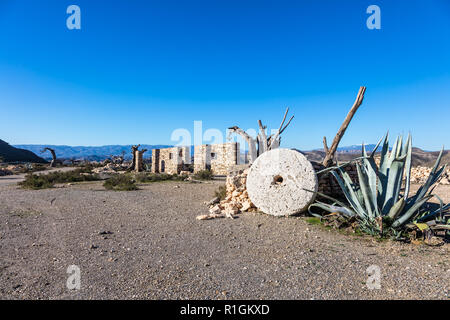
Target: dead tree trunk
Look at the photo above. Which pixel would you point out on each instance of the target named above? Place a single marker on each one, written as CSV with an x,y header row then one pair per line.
x,y
137,163
329,152
52,151
252,152
262,142
134,150
139,166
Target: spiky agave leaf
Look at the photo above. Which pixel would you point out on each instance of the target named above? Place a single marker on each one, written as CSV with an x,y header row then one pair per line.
x,y
383,171
365,190
371,170
408,166
341,208
349,193
410,213
394,182
431,180
331,208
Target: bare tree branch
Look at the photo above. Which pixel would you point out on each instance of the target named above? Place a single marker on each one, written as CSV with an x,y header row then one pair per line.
x,y
328,161
325,145
262,143
250,141
52,151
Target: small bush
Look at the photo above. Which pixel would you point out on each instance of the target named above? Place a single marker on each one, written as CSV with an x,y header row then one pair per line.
x,y
35,182
42,181
120,182
221,193
203,175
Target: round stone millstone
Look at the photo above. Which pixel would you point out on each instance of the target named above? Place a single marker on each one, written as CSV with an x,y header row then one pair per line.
x,y
276,180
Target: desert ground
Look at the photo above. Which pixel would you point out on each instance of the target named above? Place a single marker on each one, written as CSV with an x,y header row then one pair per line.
x,y
147,244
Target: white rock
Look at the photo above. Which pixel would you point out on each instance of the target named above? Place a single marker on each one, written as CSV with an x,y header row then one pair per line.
x,y
246,205
276,180
215,209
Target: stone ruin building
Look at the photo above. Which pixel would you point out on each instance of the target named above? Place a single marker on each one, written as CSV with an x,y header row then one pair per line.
x,y
218,158
170,160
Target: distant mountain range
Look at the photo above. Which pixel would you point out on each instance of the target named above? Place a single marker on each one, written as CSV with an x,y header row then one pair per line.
x,y
88,153
420,157
356,148
9,153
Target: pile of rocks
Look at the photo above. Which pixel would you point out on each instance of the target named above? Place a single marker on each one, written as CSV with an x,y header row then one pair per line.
x,y
236,199
110,168
420,175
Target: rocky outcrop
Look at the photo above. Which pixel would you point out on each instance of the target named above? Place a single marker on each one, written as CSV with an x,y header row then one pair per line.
x,y
110,168
10,154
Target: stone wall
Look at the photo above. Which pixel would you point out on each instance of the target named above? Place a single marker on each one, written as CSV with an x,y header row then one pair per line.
x,y
170,160
328,184
216,157
139,165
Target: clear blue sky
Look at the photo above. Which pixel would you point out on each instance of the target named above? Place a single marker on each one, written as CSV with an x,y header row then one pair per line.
x,y
137,70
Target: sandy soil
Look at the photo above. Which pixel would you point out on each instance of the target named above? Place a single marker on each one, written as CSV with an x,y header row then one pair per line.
x,y
147,244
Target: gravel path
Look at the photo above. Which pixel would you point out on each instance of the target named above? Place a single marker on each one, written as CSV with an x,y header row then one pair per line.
x,y
147,244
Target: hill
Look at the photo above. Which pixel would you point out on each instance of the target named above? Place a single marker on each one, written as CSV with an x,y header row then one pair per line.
x,y
88,153
11,154
346,153
419,156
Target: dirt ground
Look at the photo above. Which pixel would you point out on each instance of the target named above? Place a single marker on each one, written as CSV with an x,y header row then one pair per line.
x,y
147,244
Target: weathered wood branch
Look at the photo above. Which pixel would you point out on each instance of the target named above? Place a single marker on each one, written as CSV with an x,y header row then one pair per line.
x,y
262,138
252,153
325,145
262,142
134,149
328,161
52,151
275,139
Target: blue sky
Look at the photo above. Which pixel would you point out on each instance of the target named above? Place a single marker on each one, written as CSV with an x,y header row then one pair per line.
x,y
137,70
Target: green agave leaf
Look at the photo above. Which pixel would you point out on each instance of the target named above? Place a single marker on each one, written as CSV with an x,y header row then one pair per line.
x,y
408,166
432,178
371,169
366,192
349,193
394,152
330,208
384,155
386,160
396,209
408,215
433,214
327,197
376,148
393,186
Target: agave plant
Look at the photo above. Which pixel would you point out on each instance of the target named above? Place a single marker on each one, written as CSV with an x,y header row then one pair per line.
x,y
379,203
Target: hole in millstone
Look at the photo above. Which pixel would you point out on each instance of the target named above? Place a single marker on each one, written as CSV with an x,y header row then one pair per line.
x,y
278,179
